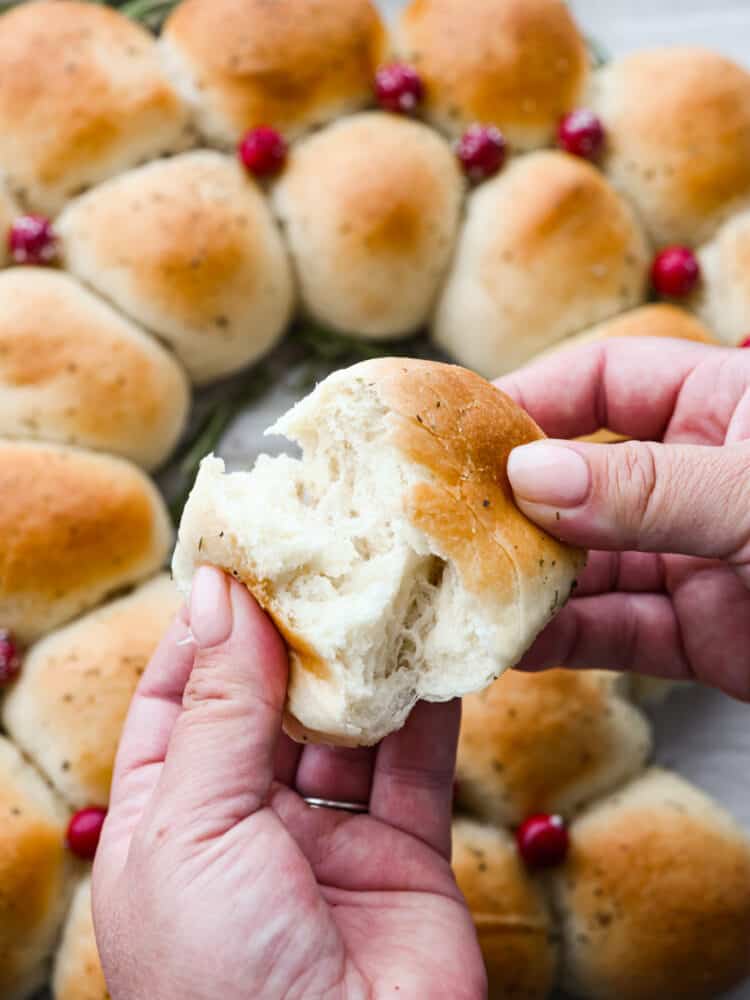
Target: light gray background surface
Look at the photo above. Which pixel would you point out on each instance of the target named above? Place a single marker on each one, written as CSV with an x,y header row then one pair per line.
x,y
701,734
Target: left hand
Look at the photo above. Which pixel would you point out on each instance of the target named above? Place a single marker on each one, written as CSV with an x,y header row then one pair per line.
x,y
214,878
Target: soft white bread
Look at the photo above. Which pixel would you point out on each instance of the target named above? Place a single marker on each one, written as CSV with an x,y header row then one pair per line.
x,y
8,212
678,138
655,896
370,207
512,921
392,556
548,248
76,526
78,973
723,297
241,63
74,370
34,875
82,97
547,742
188,247
68,707
518,64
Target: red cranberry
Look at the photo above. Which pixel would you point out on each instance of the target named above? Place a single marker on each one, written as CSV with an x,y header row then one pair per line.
x,y
398,88
32,240
10,659
482,150
543,841
675,272
263,151
581,133
84,831
744,343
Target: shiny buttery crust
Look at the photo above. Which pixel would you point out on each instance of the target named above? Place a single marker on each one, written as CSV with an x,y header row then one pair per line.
x,y
34,874
75,526
68,708
548,742
78,973
548,248
371,206
75,371
655,896
243,63
208,272
509,912
518,64
82,97
678,138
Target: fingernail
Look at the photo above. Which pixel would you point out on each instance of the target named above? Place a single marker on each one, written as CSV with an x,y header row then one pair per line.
x,y
549,474
210,607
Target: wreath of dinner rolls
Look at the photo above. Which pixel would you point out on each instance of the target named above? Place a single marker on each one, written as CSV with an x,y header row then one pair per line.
x,y
548,248
74,370
207,272
68,707
369,205
78,972
82,97
723,298
78,525
678,138
518,64
292,63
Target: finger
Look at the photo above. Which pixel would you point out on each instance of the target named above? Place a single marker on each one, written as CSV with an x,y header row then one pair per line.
x,y
412,787
683,499
288,755
575,392
338,773
222,753
634,572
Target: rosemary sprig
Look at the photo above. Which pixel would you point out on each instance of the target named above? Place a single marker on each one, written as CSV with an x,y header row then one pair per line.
x,y
210,432
326,345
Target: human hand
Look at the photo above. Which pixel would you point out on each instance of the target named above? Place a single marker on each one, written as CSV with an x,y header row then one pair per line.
x,y
645,602
214,878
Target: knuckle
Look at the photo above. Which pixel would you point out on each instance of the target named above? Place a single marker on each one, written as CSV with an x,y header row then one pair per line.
x,y
633,479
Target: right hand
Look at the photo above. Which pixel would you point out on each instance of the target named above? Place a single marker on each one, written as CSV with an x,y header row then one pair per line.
x,y
667,590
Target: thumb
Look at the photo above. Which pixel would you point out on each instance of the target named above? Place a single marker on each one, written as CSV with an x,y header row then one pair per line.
x,y
671,498
220,761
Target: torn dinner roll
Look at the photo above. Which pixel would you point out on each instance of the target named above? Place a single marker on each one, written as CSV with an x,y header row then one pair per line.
x,y
75,371
207,272
67,709
82,97
392,556
79,525
547,249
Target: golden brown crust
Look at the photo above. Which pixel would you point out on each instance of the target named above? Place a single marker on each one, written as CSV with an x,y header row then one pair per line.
x,y
508,910
544,742
678,128
73,370
77,525
657,897
284,64
81,96
518,64
78,971
463,429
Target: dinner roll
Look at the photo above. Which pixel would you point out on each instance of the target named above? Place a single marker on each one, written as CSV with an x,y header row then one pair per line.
x,y
391,556
518,64
8,212
73,370
371,209
67,710
82,97
188,248
723,297
655,896
78,972
34,875
78,526
509,912
547,742
548,248
678,137
288,64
